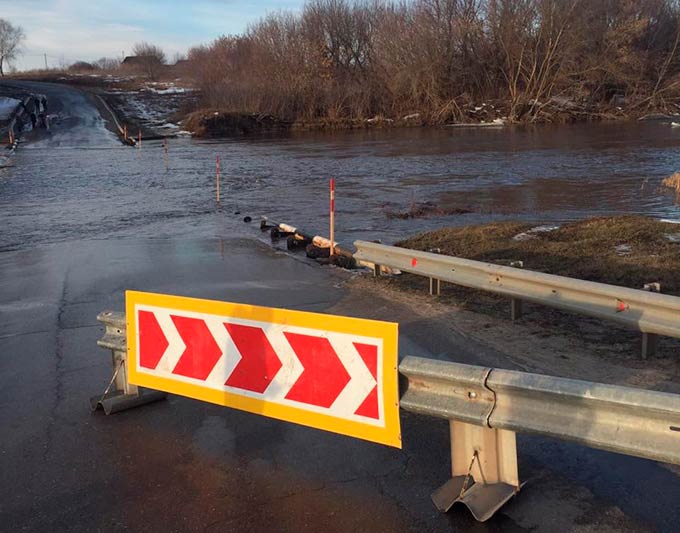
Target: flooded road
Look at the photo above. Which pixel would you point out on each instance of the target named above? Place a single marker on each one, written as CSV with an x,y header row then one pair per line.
x,y
84,218
79,182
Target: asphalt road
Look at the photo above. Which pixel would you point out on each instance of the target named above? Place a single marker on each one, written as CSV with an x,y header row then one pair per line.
x,y
183,465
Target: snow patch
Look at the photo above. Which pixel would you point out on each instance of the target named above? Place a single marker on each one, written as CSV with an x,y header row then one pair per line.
x,y
7,107
531,233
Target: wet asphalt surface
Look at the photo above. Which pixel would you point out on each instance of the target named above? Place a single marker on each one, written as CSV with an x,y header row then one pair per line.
x,y
183,465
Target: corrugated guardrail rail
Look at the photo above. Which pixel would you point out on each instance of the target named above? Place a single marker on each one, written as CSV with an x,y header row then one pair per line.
x,y
631,421
647,311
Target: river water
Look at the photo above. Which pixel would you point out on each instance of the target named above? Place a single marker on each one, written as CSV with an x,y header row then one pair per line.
x,y
78,182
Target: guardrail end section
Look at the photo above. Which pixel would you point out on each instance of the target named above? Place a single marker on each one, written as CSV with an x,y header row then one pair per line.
x,y
119,394
484,470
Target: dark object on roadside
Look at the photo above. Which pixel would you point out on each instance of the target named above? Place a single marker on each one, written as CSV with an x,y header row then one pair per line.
x,y
424,210
44,103
34,120
344,261
295,243
276,233
322,255
317,253
247,219
237,212
265,225
42,120
36,105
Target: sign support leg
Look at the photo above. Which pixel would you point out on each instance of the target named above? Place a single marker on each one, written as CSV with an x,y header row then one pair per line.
x,y
120,394
484,470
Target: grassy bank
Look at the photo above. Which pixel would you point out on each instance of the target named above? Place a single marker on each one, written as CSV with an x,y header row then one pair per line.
x,y
628,251
625,250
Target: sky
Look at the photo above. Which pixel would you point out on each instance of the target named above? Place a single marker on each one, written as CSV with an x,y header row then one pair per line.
x,y
72,30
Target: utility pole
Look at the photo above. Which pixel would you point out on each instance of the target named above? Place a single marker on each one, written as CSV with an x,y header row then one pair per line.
x,y
45,61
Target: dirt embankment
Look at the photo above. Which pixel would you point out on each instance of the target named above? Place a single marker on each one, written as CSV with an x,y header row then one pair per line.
x,y
629,251
162,109
154,108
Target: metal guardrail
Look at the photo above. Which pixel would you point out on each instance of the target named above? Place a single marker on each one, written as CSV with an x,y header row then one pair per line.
x,y
485,408
625,420
646,311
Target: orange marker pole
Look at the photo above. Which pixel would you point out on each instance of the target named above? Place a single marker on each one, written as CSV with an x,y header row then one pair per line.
x,y
217,176
332,206
139,140
125,132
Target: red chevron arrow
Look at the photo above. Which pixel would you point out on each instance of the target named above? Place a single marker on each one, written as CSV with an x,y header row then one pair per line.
x,y
201,352
369,354
259,363
152,341
324,376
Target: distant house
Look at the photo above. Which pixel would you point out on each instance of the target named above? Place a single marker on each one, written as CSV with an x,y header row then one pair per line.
x,y
140,61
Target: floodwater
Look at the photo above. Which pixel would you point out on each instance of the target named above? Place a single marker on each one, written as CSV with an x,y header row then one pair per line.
x,y
79,182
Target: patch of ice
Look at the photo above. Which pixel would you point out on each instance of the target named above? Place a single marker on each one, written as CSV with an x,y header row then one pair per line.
x,y
169,126
7,106
170,90
670,221
544,228
673,237
531,233
623,249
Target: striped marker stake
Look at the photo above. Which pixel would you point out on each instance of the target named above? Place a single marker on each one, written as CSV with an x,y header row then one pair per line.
x,y
217,176
139,140
332,249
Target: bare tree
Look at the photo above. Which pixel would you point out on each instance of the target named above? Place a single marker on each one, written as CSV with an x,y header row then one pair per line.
x,y
11,38
150,58
532,60
107,63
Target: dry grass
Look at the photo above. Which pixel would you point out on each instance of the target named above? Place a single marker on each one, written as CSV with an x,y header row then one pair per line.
x,y
584,250
672,182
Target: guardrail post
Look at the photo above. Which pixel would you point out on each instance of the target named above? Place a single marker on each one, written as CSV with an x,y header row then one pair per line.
x,y
435,284
120,394
516,304
649,340
435,287
484,470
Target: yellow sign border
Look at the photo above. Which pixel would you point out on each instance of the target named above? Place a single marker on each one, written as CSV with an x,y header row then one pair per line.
x,y
389,435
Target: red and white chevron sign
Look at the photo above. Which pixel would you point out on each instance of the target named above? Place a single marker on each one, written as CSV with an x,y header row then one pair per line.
x,y
328,372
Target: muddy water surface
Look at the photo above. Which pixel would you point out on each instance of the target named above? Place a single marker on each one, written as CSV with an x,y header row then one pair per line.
x,y
78,182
